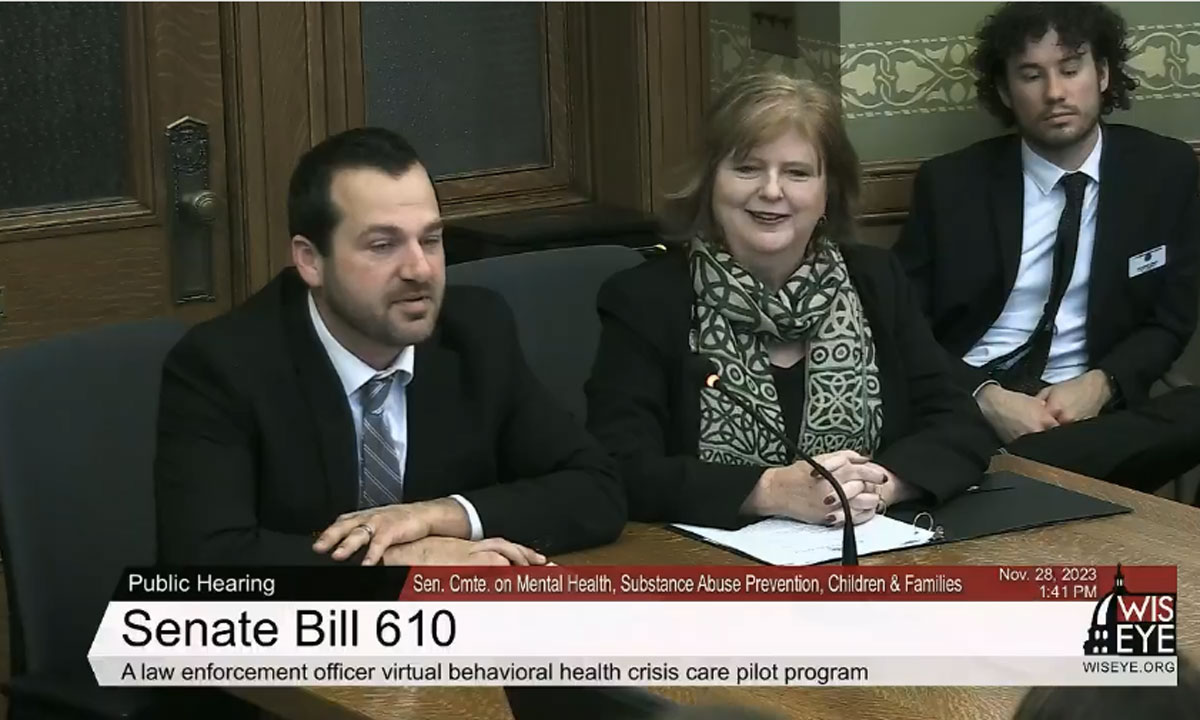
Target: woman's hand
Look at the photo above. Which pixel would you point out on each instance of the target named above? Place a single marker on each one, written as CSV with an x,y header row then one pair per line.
x,y
798,492
884,494
862,481
896,490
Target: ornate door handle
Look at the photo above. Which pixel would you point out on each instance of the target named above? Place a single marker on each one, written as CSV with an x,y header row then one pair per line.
x,y
193,210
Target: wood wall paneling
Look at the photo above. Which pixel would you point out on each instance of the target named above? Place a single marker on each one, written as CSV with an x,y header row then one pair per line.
x,y
186,77
650,91
555,183
887,192
273,108
286,106
351,71
618,103
297,76
336,53
136,210
887,188
59,284
677,75
71,266
578,103
241,118
249,208
626,89
141,160
316,69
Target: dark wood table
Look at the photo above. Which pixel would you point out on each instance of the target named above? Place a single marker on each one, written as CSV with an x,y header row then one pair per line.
x,y
1158,532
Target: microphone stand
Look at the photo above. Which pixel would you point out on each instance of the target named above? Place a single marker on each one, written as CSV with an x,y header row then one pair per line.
x,y
849,545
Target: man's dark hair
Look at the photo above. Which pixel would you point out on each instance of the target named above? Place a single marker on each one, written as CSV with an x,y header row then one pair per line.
x,y
311,212
1110,703
1006,32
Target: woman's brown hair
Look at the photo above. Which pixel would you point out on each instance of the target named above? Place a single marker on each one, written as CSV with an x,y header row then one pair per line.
x,y
759,108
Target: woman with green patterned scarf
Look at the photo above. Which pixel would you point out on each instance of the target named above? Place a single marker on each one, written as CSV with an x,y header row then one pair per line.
x,y
820,335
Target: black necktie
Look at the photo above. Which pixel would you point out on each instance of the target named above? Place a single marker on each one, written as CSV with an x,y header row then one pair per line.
x,y
1025,375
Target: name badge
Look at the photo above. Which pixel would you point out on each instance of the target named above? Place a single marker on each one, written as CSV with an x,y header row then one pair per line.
x,y
1147,261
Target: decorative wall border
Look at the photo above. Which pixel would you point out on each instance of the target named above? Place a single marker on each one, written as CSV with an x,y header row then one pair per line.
x,y
933,74
930,75
1166,61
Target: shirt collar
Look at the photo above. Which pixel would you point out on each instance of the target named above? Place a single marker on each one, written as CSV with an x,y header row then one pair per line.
x,y
353,372
1046,174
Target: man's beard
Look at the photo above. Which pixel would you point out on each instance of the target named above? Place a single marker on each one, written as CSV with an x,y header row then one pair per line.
x,y
1051,141
374,326
1058,141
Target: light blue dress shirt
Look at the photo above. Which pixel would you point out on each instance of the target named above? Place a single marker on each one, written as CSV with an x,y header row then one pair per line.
x,y
1044,203
354,374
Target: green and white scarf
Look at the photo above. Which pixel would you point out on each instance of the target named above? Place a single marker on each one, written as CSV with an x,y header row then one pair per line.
x,y
734,317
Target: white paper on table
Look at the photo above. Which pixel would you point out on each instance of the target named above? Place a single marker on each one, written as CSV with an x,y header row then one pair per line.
x,y
780,541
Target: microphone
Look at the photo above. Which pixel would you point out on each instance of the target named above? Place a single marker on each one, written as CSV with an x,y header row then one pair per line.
x,y
705,371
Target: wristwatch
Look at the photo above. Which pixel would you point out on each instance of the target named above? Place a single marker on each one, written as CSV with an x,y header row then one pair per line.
x,y
1117,398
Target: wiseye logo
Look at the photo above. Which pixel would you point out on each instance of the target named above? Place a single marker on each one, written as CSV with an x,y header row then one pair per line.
x,y
1127,623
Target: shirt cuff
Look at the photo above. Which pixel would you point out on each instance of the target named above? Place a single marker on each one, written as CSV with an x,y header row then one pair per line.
x,y
472,517
982,385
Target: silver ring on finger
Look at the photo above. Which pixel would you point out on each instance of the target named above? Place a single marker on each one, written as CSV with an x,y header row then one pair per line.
x,y
366,527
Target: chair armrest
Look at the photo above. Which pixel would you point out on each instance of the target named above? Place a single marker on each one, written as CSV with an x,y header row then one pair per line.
x,y
79,697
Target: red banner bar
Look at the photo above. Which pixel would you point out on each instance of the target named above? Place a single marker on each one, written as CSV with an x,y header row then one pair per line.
x,y
1069,583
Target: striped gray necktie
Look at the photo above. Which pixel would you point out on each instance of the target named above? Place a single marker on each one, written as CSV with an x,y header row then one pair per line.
x,y
379,480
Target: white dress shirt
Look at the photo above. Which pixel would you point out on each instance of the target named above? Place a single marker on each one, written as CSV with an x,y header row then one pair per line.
x,y
1044,203
354,374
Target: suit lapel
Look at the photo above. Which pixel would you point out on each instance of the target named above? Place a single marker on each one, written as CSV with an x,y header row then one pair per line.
x,y
883,329
431,398
688,386
1008,214
1108,254
325,396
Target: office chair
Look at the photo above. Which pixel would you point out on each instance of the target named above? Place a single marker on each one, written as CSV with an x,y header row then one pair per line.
x,y
552,294
1172,380
1184,372
77,427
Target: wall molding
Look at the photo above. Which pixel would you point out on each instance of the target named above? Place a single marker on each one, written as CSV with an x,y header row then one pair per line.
x,y
887,188
886,191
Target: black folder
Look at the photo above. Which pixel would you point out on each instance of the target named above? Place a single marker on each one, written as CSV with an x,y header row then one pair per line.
x,y
1005,502
1002,502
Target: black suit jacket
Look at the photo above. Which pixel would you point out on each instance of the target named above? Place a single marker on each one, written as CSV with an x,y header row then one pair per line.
x,y
962,244
257,450
644,404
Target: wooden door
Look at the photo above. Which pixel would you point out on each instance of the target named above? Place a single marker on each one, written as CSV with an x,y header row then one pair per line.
x,y
112,166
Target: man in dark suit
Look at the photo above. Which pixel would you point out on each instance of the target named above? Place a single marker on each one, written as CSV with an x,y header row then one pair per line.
x,y
1058,265
357,402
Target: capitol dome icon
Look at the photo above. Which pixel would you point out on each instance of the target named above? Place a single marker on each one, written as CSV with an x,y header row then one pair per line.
x,y
1102,637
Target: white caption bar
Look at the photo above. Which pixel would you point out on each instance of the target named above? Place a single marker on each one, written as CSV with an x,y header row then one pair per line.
x,y
828,671
596,629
